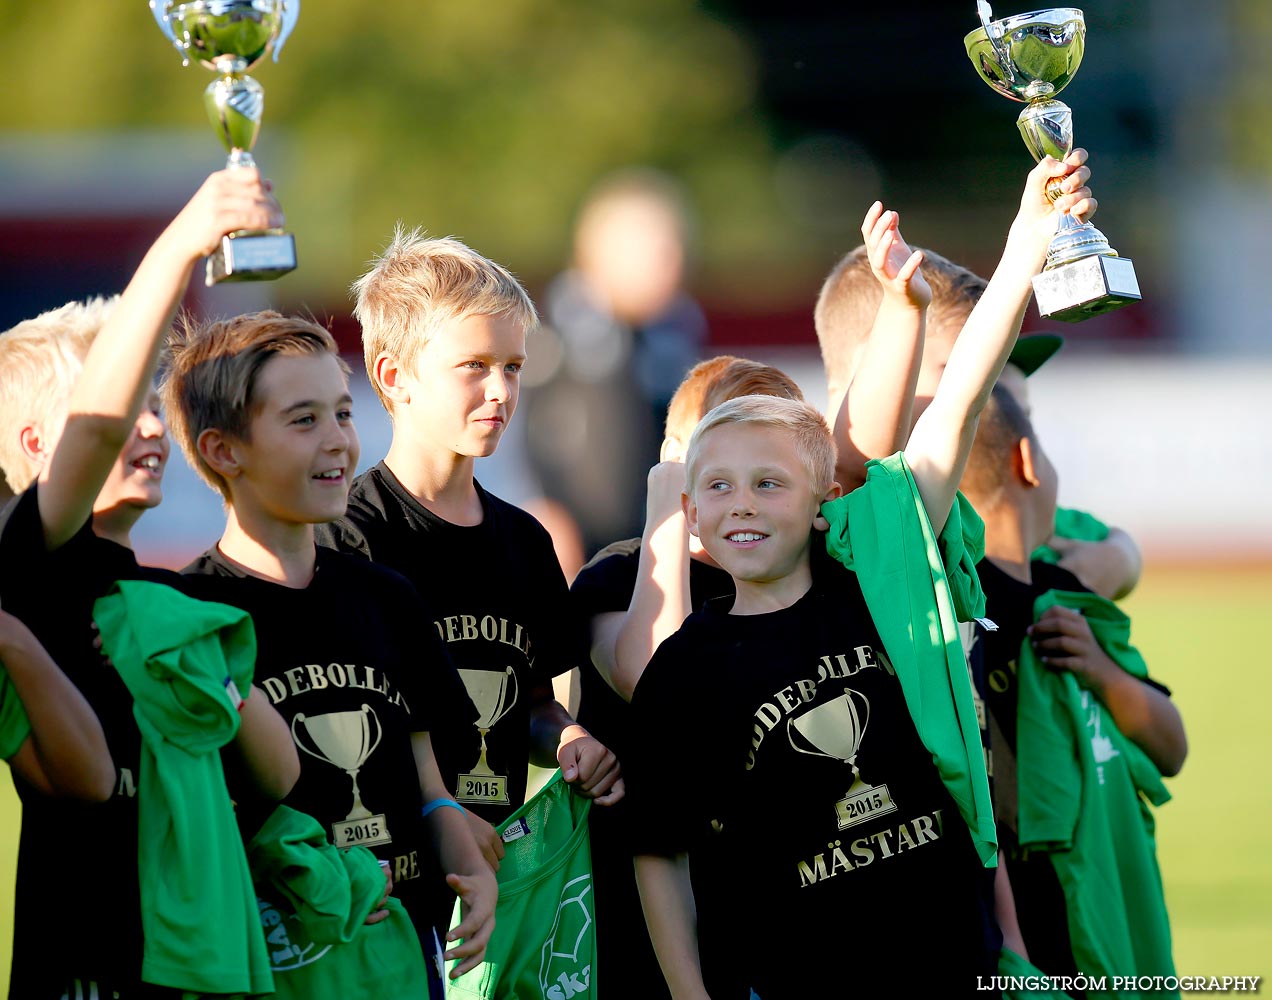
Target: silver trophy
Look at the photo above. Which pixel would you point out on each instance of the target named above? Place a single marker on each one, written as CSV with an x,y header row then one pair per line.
x,y
229,37
1031,58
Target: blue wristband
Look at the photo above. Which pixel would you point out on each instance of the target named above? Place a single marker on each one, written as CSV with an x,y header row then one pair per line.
x,y
438,804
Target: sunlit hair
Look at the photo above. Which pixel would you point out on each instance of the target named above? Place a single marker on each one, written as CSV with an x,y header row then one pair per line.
x,y
211,372
712,382
417,285
1003,425
851,294
811,437
40,359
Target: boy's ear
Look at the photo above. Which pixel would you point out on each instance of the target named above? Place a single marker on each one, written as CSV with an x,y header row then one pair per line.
x,y
388,373
217,450
691,513
31,441
671,450
1022,462
834,493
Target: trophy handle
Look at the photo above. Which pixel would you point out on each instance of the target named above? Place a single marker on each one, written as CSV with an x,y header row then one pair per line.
x,y
994,32
505,705
379,731
291,11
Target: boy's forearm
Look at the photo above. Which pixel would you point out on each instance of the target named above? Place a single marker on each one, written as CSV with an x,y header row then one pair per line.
x,y
265,746
1146,716
68,747
666,897
548,722
942,439
1005,910
873,416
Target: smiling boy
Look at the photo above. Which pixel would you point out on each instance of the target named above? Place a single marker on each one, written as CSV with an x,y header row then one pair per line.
x,y
261,406
825,745
82,443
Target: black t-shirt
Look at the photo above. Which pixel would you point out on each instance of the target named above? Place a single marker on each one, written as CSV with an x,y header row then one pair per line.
x,y
350,664
787,751
77,910
605,585
499,601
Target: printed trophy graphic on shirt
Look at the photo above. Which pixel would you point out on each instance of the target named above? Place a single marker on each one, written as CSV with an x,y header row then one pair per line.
x,y
494,692
835,730
344,740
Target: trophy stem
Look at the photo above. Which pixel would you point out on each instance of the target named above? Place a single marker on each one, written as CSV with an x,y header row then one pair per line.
x,y
481,767
359,811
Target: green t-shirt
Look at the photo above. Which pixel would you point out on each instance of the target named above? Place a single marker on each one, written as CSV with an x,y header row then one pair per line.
x,y
1084,792
544,943
184,662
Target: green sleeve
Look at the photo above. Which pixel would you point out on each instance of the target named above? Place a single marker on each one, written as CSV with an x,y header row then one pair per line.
x,y
15,727
1077,525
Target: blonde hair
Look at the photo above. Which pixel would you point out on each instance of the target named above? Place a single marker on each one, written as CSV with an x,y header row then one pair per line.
x,y
851,294
813,441
712,382
212,370
40,359
419,284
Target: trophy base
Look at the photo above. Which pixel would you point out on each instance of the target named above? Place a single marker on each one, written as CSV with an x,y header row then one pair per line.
x,y
252,256
1086,287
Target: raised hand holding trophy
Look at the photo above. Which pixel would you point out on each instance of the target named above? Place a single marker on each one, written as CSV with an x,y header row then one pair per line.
x,y
1031,58
230,37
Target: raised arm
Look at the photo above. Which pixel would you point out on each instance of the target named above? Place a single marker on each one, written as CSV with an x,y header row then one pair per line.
x,y
938,448
118,370
872,419
623,642
66,752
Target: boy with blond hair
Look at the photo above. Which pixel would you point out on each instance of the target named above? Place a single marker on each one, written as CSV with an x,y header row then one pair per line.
x,y
261,407
444,339
81,441
826,672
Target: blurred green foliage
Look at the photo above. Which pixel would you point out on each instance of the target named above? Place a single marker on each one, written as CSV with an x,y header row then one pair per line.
x,y
486,121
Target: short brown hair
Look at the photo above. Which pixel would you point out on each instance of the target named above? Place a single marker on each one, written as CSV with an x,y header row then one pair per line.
x,y
1003,425
212,369
40,359
712,382
813,441
417,284
851,294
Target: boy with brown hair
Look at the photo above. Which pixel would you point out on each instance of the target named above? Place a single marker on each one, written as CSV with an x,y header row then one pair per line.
x,y
261,407
1105,558
444,339
1012,484
82,443
824,668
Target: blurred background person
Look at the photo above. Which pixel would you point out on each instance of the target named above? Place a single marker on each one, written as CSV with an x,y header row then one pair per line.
x,y
620,332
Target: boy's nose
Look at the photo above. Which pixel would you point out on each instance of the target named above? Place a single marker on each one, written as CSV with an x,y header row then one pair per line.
x,y
149,425
497,390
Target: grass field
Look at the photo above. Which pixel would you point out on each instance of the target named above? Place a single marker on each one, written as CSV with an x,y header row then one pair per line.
x,y
1202,632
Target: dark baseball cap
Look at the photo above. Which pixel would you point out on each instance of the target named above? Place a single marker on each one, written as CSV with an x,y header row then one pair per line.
x,y
1031,353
